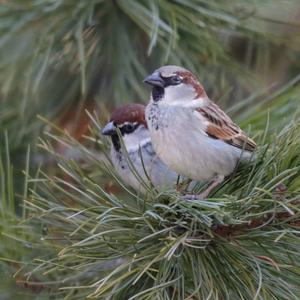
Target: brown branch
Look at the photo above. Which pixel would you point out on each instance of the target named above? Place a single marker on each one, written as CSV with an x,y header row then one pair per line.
x,y
279,194
228,231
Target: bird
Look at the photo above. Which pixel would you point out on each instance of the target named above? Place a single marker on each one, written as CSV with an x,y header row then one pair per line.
x,y
129,121
190,133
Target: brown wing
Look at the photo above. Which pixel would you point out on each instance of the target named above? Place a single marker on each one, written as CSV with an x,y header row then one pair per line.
x,y
220,126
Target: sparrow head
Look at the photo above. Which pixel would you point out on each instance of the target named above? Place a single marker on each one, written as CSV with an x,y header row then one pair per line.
x,y
173,83
130,120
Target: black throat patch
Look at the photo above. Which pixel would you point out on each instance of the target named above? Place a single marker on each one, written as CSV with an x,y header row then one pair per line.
x,y
157,93
116,142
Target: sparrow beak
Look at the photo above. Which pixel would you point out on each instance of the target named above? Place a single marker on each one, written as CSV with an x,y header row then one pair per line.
x,y
155,80
109,129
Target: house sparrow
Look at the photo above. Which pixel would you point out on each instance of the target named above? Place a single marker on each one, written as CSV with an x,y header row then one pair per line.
x,y
130,120
189,132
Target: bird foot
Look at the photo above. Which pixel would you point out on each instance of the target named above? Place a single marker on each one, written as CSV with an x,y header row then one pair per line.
x,y
183,186
201,196
216,181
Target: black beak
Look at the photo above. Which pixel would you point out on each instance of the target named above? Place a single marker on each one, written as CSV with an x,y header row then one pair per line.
x,y
109,129
155,80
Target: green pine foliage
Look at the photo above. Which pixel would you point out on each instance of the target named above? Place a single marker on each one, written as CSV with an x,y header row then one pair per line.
x,y
241,243
19,242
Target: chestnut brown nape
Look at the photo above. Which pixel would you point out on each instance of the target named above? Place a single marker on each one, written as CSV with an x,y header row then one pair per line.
x,y
134,112
190,78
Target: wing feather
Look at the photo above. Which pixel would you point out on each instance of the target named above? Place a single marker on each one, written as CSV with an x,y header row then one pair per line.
x,y
220,126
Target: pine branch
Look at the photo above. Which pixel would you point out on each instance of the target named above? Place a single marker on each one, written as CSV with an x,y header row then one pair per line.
x,y
241,243
226,231
87,234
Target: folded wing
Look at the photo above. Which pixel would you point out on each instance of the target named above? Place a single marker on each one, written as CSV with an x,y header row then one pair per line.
x,y
220,126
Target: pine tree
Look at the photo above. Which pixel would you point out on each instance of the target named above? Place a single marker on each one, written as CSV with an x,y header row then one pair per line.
x,y
70,228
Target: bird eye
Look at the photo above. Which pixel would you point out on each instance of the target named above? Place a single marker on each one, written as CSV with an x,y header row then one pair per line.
x,y
176,79
128,128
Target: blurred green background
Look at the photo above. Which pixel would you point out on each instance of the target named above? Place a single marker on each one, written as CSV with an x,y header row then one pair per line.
x,y
60,57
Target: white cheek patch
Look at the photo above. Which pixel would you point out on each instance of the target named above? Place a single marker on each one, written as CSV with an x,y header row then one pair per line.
x,y
134,147
179,93
134,140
